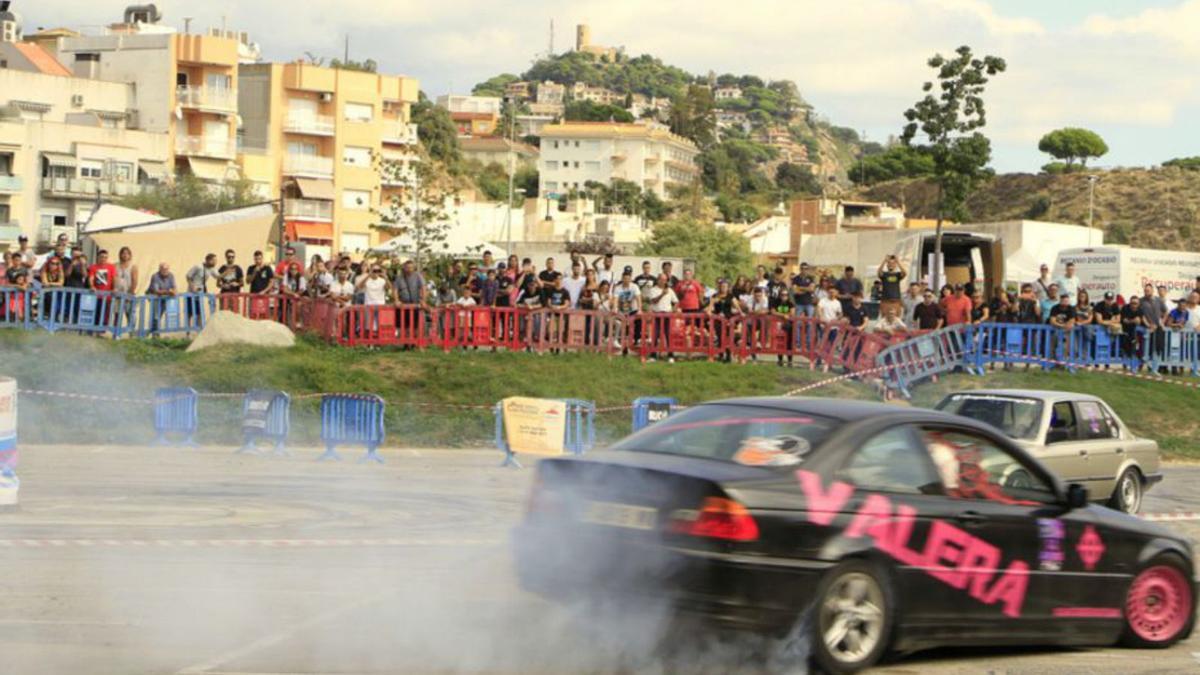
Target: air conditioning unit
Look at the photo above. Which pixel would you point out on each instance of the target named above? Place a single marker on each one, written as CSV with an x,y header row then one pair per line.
x,y
326,97
77,100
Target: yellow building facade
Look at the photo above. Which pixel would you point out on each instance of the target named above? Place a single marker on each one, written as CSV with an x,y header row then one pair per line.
x,y
315,136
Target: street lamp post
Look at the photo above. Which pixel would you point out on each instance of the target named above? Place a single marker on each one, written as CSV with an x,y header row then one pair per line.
x,y
508,216
1091,204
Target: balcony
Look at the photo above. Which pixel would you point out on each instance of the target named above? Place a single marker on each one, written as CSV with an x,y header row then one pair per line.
x,y
204,146
308,165
399,134
9,230
87,188
10,185
312,125
308,209
216,99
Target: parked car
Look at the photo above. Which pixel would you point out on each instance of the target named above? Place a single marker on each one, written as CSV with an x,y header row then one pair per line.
x,y
1077,435
841,530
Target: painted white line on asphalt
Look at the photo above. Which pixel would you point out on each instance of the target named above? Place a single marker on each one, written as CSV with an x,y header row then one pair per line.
x,y
283,635
1171,517
243,543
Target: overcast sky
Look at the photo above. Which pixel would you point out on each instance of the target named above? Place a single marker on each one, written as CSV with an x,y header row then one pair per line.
x,y
1125,68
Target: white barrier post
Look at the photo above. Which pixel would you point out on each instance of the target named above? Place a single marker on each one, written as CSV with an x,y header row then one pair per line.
x,y
9,484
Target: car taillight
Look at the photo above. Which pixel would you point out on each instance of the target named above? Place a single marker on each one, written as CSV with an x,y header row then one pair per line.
x,y
718,518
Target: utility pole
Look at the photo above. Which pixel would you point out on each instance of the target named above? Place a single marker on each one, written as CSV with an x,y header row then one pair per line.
x,y
862,160
187,25
1091,204
346,52
512,167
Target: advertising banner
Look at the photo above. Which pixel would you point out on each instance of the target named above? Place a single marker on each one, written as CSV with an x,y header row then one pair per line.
x,y
535,426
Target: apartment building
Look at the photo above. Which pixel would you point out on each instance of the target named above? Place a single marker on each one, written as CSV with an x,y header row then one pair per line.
x,y
472,115
498,150
574,153
184,85
66,144
316,135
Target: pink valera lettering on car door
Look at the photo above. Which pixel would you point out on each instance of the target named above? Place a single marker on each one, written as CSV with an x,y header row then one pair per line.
x,y
951,555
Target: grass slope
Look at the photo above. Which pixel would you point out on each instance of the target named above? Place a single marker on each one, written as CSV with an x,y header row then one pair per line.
x,y
1165,412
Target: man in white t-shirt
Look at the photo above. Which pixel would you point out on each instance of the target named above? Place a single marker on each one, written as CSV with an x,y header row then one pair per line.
x,y
1069,284
374,287
604,269
662,298
341,290
829,308
574,284
1193,309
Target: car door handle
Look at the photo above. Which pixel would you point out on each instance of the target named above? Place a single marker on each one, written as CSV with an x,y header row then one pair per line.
x,y
1083,453
1120,451
970,518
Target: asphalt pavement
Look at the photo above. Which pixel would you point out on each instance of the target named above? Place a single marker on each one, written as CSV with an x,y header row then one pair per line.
x,y
161,560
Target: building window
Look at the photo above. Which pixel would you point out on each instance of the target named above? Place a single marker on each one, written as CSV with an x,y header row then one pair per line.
x,y
302,149
359,112
576,165
356,200
551,165
122,171
356,156
577,144
592,166
551,186
90,168
555,145
87,56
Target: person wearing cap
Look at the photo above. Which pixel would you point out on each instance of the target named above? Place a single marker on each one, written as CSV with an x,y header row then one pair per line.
x,y
928,315
957,307
28,257
803,286
1041,285
1107,314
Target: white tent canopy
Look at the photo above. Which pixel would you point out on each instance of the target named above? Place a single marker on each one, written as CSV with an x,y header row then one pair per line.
x,y
459,243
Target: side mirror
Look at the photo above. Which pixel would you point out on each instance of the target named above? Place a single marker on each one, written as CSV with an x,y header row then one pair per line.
x,y
1057,436
1077,496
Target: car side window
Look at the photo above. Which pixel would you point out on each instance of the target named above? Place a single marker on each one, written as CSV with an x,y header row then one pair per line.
x,y
1062,418
972,466
892,461
1098,423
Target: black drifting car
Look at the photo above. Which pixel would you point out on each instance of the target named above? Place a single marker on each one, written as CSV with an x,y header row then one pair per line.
x,y
848,530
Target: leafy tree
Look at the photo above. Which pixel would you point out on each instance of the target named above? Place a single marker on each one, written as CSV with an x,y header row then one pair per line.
x,y
1039,207
736,210
1186,163
653,207
1072,144
717,252
417,211
844,134
693,116
732,166
899,161
1056,168
797,179
587,111
950,123
494,86
436,131
367,66
525,178
188,196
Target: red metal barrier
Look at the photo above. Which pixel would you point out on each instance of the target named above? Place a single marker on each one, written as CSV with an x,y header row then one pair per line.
x,y
256,306
678,334
574,330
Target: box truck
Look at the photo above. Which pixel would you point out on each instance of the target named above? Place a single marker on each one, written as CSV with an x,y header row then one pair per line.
x,y
1125,271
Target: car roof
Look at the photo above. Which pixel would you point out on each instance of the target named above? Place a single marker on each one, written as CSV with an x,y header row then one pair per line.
x,y
840,409
1045,395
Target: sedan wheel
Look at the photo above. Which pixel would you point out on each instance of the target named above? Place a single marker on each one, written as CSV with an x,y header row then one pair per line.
x,y
1127,495
1159,606
852,618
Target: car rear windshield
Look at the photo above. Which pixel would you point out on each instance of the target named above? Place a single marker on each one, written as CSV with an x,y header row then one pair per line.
x,y
743,434
1016,417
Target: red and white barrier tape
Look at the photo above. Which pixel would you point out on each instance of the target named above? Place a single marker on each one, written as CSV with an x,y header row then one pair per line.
x,y
1091,367
239,543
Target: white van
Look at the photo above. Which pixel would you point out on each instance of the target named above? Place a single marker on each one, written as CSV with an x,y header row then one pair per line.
x,y
1125,271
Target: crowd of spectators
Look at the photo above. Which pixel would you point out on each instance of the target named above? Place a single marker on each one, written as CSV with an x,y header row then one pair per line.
x,y
596,284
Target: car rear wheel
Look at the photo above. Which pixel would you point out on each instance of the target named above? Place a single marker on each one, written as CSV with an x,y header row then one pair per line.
x,y
1159,605
1127,495
850,624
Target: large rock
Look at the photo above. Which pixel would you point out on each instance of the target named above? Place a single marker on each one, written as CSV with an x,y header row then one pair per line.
x,y
227,328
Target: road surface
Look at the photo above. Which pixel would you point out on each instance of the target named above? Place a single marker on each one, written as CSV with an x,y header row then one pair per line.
x,y
154,560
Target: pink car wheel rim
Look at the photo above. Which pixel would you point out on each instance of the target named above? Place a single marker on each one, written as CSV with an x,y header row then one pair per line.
x,y
1159,603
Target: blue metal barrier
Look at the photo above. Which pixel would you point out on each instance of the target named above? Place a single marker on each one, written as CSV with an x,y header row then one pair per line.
x,y
85,311
924,356
16,308
265,416
176,412
352,418
579,435
185,313
648,410
1176,350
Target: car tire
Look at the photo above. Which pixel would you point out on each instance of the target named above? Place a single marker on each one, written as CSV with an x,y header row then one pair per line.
x,y
1160,605
849,625
1127,493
